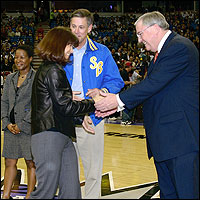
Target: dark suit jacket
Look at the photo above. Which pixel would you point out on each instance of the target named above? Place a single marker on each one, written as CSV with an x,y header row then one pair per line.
x,y
170,97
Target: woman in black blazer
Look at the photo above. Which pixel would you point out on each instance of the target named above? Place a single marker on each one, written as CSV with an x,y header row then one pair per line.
x,y
53,119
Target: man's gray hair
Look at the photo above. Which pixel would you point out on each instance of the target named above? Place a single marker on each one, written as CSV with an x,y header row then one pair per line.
x,y
154,17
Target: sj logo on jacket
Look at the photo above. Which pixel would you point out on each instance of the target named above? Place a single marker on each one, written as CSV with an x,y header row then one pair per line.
x,y
96,65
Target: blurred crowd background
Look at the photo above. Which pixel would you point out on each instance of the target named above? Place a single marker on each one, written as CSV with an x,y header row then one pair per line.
x,y
23,23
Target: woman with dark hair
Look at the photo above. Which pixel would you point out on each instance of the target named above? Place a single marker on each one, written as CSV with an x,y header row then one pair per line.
x,y
16,120
53,112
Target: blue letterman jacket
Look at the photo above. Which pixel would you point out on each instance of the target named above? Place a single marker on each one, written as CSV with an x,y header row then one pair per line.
x,y
99,70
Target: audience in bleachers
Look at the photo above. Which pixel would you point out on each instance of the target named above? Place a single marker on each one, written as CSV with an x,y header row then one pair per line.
x,y
14,32
116,32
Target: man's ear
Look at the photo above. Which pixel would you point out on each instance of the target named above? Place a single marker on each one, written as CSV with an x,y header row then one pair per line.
x,y
89,28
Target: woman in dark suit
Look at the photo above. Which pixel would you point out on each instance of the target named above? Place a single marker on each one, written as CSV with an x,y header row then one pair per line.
x,y
53,119
16,120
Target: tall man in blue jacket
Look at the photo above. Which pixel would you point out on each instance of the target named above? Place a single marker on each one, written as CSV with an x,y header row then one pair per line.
x,y
170,97
92,70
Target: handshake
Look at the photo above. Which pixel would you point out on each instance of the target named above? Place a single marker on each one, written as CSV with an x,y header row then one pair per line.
x,y
105,103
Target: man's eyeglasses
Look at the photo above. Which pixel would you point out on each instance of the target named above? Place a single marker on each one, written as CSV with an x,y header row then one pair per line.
x,y
139,34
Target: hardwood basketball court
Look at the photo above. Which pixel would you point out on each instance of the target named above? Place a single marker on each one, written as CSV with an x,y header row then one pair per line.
x,y
125,158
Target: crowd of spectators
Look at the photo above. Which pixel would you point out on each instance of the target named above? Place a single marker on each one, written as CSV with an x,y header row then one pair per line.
x,y
15,31
116,32
119,35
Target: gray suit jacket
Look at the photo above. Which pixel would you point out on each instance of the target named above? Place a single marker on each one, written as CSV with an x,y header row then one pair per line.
x,y
19,99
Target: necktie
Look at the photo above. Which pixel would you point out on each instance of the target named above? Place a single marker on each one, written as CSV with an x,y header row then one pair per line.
x,y
155,57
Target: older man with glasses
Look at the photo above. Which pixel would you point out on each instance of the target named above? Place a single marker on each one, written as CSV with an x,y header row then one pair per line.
x,y
170,97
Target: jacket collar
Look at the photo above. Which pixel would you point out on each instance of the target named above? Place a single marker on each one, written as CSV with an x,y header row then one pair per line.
x,y
91,46
167,41
170,37
30,73
16,75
